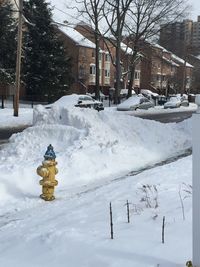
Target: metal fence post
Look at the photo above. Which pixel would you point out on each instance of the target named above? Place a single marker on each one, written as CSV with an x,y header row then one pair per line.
x,y
196,184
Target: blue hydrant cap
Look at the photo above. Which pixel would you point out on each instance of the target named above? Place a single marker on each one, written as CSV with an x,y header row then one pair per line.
x,y
50,154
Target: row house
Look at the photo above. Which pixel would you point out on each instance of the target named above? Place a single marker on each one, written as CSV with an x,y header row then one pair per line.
x,y
126,54
82,52
157,69
107,53
164,72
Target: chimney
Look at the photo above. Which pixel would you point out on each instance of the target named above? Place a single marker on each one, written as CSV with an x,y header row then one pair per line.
x,y
198,18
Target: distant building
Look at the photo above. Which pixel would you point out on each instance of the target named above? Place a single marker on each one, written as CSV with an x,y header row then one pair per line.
x,y
164,72
196,36
176,36
181,37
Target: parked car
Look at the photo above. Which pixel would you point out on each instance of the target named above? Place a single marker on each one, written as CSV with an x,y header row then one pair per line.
x,y
149,94
174,102
124,92
102,96
82,101
135,102
162,100
185,103
86,101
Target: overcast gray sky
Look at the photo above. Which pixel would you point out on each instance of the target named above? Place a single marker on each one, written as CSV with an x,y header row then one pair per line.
x,y
195,8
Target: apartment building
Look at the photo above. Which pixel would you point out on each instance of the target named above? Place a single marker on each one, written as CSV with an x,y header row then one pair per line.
x,y
181,38
195,40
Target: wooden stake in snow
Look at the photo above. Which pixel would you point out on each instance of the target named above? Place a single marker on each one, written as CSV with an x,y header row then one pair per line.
x,y
163,230
128,211
111,222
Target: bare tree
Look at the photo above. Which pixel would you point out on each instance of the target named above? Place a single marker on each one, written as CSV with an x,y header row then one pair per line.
x,y
115,12
143,21
91,13
93,9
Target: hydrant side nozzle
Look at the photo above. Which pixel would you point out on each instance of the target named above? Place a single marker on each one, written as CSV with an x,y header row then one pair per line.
x,y
42,171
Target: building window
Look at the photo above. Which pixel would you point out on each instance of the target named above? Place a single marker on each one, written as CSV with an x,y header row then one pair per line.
x,y
81,72
107,57
92,53
100,56
92,69
137,75
188,81
158,77
107,73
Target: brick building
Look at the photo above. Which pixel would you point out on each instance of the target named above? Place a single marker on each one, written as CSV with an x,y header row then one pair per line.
x,y
80,45
163,71
108,48
82,52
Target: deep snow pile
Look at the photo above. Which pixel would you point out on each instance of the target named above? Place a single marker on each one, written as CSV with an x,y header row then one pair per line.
x,y
91,147
74,231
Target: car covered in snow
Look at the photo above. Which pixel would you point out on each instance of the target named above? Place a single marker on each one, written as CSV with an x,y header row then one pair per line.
x,y
161,100
149,94
173,102
176,102
135,102
184,101
86,101
74,100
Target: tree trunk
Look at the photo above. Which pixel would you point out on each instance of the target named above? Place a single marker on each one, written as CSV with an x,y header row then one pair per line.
x,y
97,93
131,81
132,73
118,74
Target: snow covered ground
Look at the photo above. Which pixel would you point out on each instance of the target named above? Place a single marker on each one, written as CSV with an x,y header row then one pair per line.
x,y
94,149
7,120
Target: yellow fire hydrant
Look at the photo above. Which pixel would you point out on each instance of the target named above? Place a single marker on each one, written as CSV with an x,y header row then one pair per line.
x,y
48,171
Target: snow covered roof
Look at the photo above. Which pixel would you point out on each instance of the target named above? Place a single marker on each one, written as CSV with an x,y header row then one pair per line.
x,y
126,49
181,61
174,57
171,62
160,47
78,38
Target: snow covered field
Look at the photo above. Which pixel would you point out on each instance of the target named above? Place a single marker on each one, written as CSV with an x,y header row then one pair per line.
x,y
93,149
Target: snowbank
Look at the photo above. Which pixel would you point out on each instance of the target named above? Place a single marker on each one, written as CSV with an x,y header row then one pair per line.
x,y
91,147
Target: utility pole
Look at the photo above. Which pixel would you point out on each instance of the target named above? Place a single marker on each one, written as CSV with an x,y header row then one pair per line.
x,y
18,60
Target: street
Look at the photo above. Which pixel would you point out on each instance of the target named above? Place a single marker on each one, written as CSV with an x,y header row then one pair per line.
x,y
167,117
6,133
